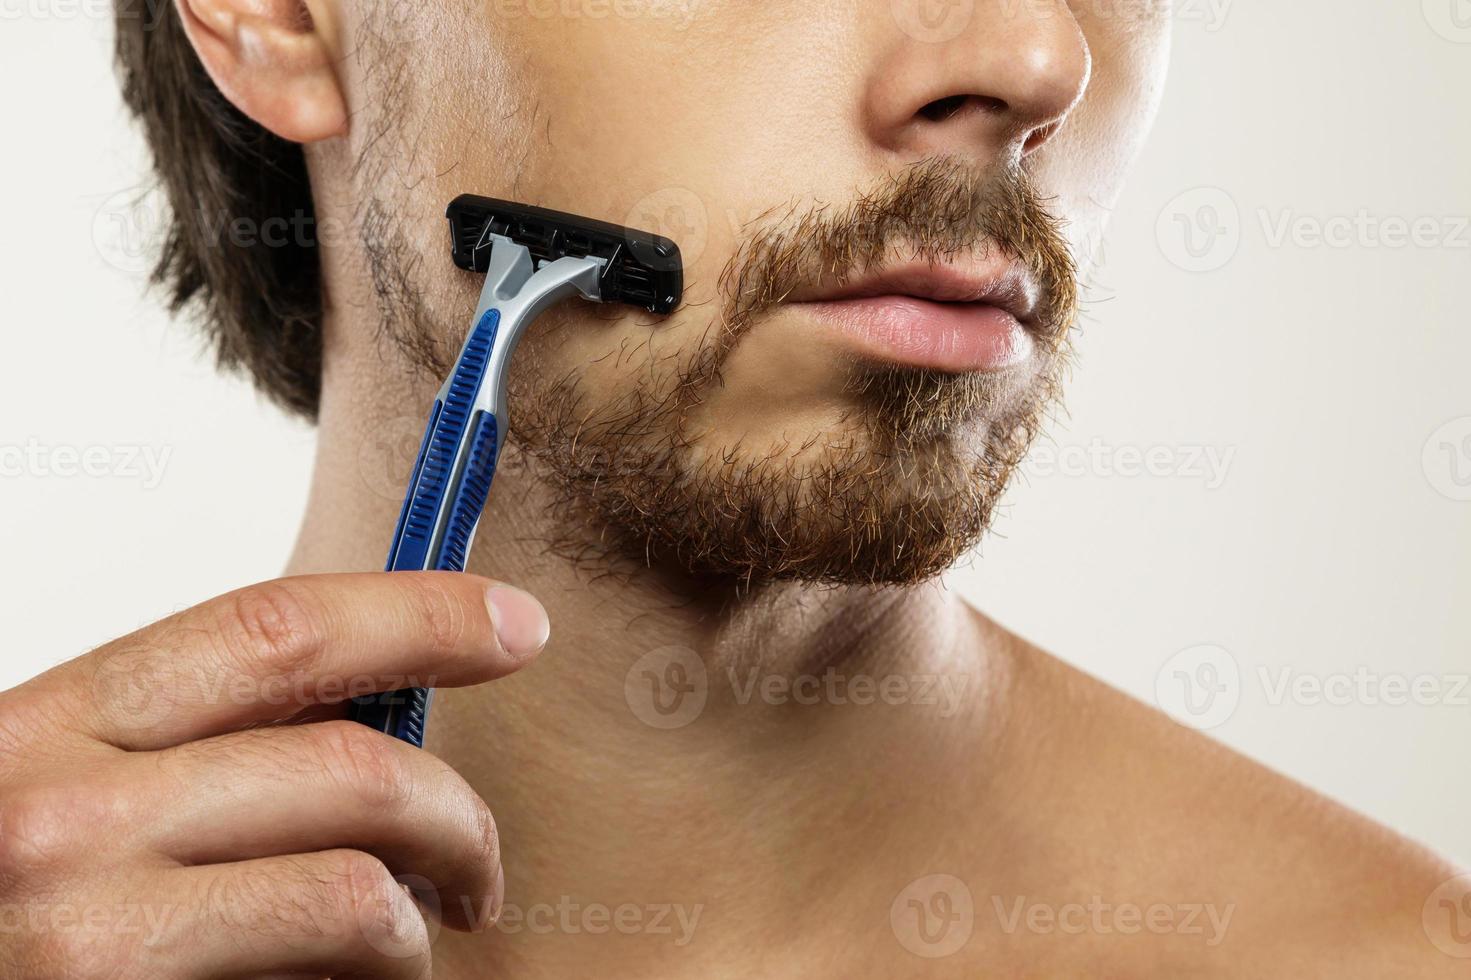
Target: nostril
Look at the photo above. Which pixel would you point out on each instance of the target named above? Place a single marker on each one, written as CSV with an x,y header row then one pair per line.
x,y
943,109
1038,136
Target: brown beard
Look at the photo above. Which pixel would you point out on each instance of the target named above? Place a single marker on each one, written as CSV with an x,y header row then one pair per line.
x,y
904,489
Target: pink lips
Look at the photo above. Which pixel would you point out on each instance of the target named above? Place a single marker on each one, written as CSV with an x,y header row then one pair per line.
x,y
945,317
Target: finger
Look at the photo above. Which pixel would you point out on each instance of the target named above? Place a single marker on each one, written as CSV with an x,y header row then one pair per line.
x,y
315,787
337,913
263,653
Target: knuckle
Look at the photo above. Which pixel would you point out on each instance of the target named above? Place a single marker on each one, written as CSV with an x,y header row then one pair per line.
x,y
440,613
367,763
35,830
374,902
272,627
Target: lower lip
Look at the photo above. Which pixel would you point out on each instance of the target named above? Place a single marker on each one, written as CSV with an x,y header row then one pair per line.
x,y
953,337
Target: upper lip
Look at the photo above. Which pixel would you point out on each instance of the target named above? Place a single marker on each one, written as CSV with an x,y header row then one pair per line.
x,y
995,281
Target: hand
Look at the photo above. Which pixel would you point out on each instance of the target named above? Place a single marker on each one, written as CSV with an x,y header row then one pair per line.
x,y
182,802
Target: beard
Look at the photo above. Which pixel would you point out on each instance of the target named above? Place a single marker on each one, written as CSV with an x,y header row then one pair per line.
x,y
906,483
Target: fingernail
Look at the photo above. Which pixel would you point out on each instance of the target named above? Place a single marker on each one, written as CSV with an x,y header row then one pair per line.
x,y
498,900
520,621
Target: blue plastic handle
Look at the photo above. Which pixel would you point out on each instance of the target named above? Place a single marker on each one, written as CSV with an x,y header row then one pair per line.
x,y
447,493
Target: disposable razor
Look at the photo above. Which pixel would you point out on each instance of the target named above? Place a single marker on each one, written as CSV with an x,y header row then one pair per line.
x,y
531,258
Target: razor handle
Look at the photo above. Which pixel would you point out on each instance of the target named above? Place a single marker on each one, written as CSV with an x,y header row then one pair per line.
x,y
446,496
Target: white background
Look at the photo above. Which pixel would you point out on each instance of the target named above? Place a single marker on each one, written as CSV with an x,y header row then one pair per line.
x,y
1316,357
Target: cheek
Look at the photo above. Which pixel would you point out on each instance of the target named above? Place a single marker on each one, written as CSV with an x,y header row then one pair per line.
x,y
610,353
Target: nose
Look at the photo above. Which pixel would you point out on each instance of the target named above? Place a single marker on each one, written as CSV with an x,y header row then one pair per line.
x,y
992,79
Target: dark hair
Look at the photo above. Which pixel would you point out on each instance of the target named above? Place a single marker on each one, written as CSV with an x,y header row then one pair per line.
x,y
260,304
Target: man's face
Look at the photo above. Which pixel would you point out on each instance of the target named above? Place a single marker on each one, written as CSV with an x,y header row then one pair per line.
x,y
883,206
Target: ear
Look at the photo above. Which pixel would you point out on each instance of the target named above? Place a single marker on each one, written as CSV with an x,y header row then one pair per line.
x,y
275,60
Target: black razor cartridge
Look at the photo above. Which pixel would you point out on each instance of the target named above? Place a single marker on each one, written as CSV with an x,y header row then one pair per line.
x,y
639,268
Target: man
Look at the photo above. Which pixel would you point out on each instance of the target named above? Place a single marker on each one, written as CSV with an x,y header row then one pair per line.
x,y
740,731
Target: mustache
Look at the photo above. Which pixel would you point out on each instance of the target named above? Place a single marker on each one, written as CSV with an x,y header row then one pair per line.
x,y
934,210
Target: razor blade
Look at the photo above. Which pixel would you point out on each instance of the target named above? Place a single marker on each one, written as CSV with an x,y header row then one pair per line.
x,y
532,258
638,268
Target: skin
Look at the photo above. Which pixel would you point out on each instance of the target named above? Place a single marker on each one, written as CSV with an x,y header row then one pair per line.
x,y
780,838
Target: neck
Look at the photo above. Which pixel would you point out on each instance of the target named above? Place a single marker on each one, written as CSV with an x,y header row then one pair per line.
x,y
729,755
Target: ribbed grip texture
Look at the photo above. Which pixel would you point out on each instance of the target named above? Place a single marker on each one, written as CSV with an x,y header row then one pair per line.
x,y
447,427
404,713
474,488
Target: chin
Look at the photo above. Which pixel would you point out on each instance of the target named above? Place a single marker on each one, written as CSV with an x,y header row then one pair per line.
x,y
866,511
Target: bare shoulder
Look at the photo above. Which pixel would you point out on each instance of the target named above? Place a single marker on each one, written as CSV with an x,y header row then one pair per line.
x,y
1288,882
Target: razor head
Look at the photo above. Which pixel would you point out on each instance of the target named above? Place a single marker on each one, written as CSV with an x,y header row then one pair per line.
x,y
639,268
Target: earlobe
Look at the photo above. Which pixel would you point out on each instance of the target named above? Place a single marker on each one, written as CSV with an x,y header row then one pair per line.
x,y
273,60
